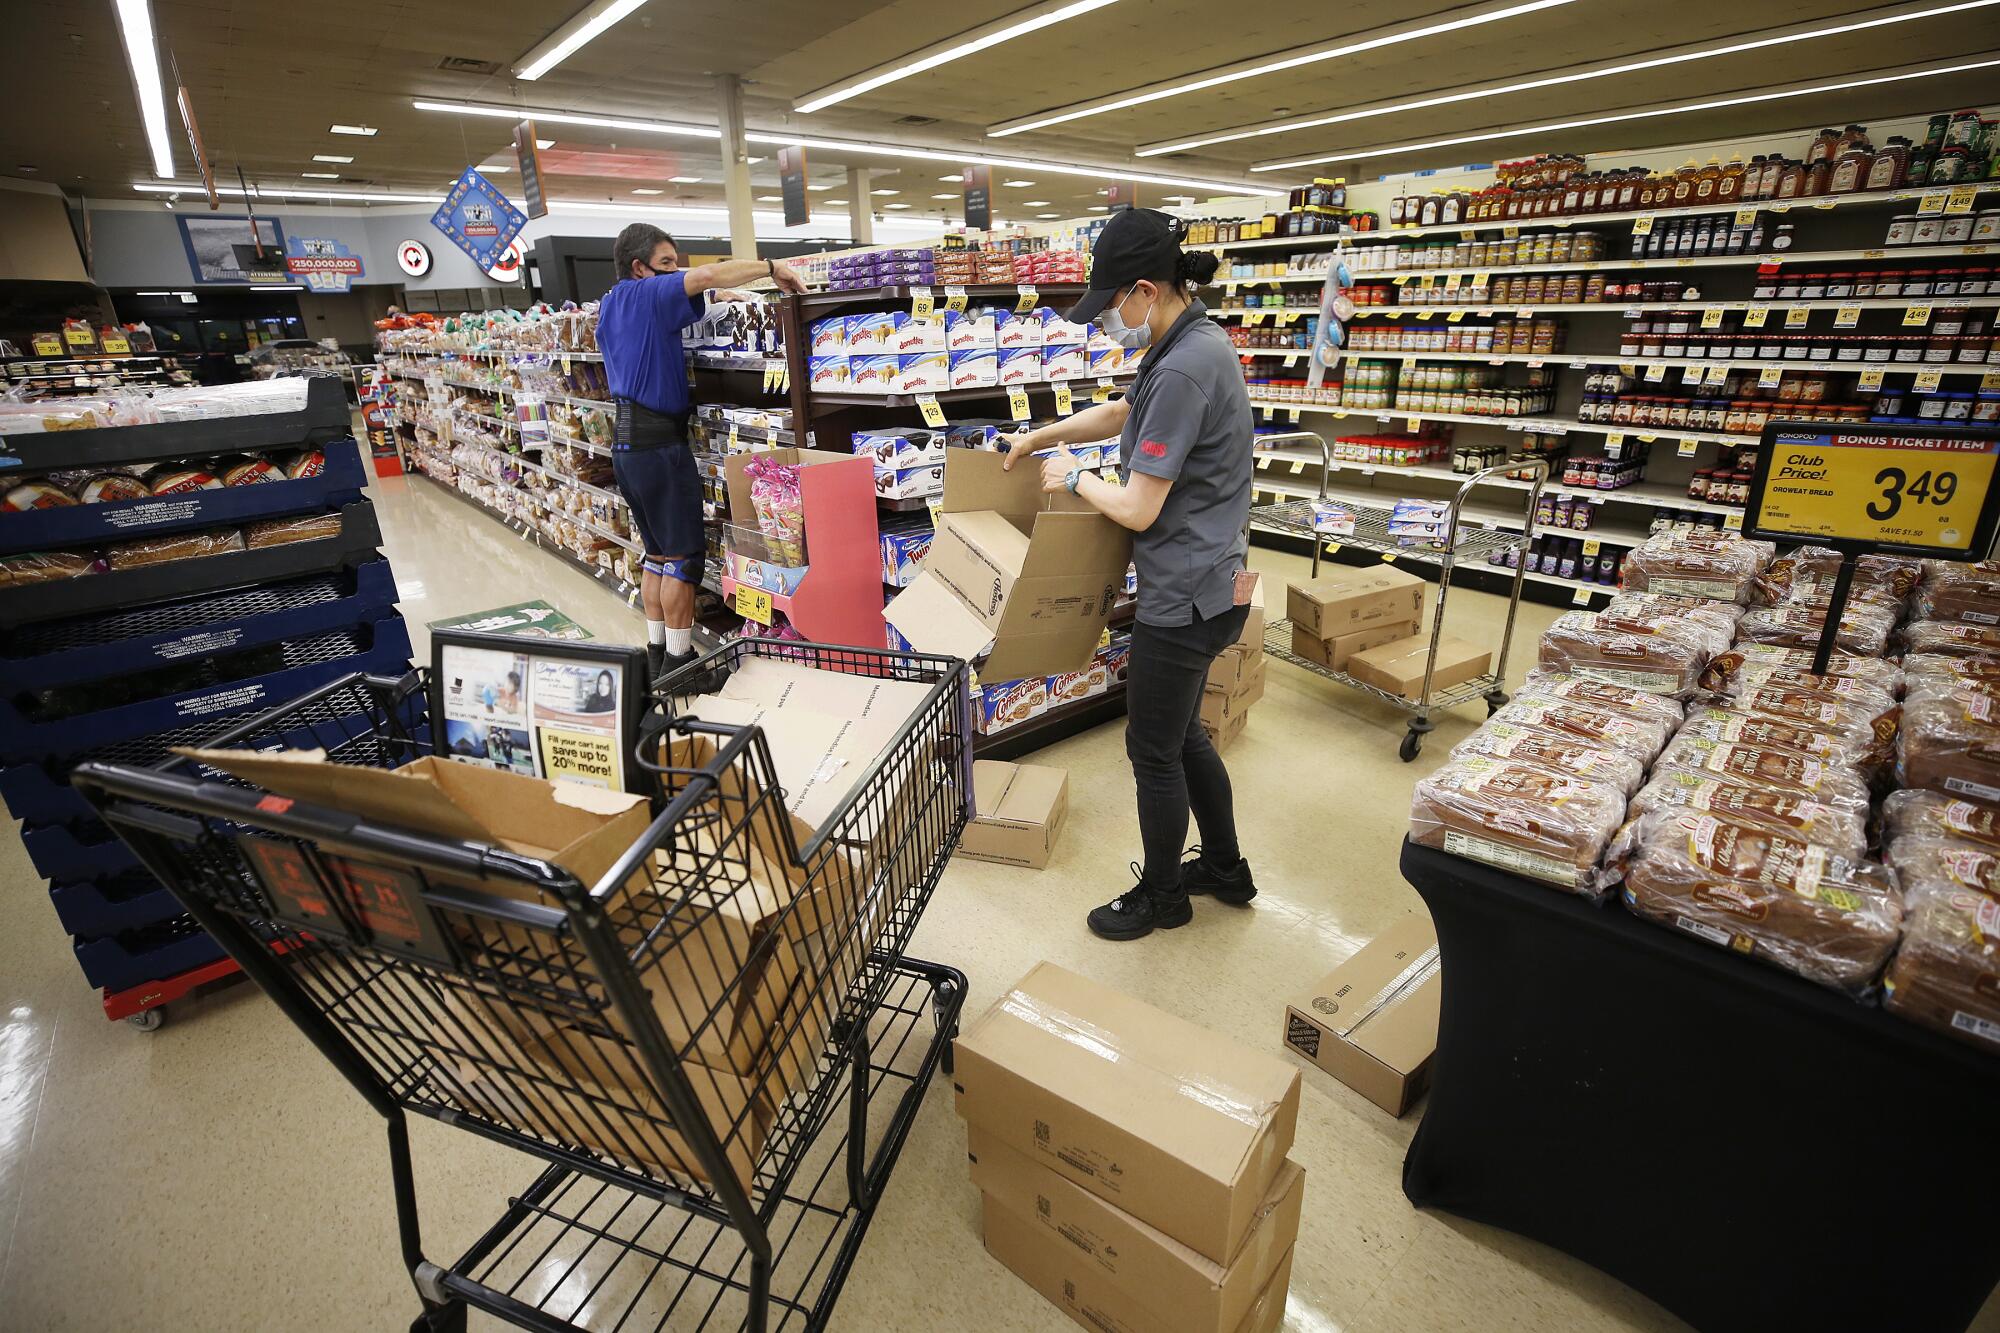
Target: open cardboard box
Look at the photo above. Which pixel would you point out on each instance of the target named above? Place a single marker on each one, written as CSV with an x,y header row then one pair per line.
x,y
1024,577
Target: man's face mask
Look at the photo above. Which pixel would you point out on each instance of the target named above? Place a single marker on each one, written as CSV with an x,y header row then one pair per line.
x,y
1129,336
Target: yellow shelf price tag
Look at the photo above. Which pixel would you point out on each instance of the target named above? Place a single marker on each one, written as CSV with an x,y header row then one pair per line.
x,y
1298,466
954,298
1402,279
1065,404
1718,374
1874,484
1427,282
753,603
1017,403
1102,393
77,337
1754,317
1686,448
565,365
1711,318
1591,546
1413,424
927,403
1642,226
1732,522
1745,217
1026,301
1581,597
1466,234
1990,380
1285,316
922,302
1388,557
1929,380
1960,199
1870,378
1510,231
1770,377
770,376
1252,318
1451,281
1933,202
1847,316
1656,373
1455,316
735,438
784,379
1333,548
1796,317
1482,279
46,344
1915,315
114,345
936,508
1614,443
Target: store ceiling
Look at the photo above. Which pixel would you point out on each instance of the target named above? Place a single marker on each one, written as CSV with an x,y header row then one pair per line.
x,y
267,81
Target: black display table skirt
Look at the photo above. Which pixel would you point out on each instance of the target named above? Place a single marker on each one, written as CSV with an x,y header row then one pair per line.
x,y
1748,1149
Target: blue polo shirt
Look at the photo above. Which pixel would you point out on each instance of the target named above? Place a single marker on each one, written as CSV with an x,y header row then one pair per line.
x,y
639,325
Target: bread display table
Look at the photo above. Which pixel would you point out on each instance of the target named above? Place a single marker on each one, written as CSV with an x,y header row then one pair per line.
x,y
1748,1149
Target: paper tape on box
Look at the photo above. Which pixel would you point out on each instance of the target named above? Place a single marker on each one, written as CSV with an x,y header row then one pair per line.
x,y
1087,1036
1420,969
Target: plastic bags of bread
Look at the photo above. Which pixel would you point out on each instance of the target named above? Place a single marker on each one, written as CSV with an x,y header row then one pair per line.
x,y
1524,819
1735,726
1553,750
1914,812
1868,719
1640,737
1923,861
1751,661
45,567
1959,637
1768,766
1946,673
1844,830
1951,743
1960,592
1658,653
43,494
181,546
1806,908
1864,628
1698,562
1895,575
1721,615
1946,975
281,531
1602,694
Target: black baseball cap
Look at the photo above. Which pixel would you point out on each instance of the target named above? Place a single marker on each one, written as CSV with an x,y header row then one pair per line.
x,y
1136,243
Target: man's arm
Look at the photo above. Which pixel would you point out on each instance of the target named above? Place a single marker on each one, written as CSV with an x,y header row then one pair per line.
x,y
1093,423
734,272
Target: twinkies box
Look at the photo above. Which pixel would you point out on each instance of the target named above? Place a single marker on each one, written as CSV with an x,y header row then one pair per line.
x,y
873,374
1372,1023
1180,1128
1014,328
1020,365
1021,577
968,330
915,333
869,334
903,553
1398,666
829,374
1150,1282
1342,600
1019,810
922,372
975,368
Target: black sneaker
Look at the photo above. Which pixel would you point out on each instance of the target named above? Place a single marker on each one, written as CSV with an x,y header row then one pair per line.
x,y
1233,885
1139,911
700,682
656,660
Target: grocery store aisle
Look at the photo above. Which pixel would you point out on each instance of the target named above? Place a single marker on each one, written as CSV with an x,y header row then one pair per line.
x,y
217,1175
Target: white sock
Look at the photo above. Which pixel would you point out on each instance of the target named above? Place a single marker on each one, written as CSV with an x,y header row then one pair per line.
x,y
656,631
678,640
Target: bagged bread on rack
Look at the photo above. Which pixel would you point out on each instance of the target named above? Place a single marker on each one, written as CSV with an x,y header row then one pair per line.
x,y
1806,908
1754,661
42,494
1951,743
1930,673
1914,812
181,546
1864,628
45,567
1736,726
1895,575
1869,720
1639,737
1720,615
1697,562
1843,829
1602,694
112,487
1958,637
1555,751
1966,592
1946,975
1524,819
180,478
1661,654
282,531
1768,766
1924,861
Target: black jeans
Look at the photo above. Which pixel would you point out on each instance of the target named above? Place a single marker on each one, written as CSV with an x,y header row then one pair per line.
x,y
1173,762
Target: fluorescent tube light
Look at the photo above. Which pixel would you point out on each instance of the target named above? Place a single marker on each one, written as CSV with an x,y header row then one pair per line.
x,y
330,157
572,37
987,35
135,25
367,130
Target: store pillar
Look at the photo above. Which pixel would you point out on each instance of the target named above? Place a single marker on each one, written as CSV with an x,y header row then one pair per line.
x,y
860,205
735,168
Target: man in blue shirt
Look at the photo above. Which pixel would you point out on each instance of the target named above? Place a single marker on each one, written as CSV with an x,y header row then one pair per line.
x,y
639,324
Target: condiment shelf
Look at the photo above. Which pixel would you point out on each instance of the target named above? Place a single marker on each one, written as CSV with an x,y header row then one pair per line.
x,y
1645,493
324,418
1558,425
1650,307
1573,361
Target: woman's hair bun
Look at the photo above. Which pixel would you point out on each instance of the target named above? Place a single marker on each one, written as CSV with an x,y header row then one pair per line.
x,y
1198,266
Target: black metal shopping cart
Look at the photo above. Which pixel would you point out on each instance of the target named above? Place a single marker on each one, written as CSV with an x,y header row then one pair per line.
x,y
676,1040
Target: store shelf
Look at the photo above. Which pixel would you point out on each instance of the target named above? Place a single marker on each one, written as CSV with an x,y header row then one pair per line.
x,y
1558,425
528,532
709,359
1647,307
1879,199
325,418
980,294
498,354
1480,532
1613,358
823,402
1649,494
1058,723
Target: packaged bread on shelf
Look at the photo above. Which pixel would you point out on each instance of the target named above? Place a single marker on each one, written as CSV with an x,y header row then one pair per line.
x,y
1768,766
1946,974
1914,812
1803,565
1745,662
45,567
1964,592
182,546
1924,861
1735,726
1720,615
1602,694
1864,628
1639,737
1932,673
1869,720
1950,742
1528,820
1553,750
1658,653
282,531
1845,830
1830,918
1958,637
1698,562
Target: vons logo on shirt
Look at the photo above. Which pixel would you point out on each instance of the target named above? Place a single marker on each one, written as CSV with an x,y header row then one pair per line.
x,y
1153,449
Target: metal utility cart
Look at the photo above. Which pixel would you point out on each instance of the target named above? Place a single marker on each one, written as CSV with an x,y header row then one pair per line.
x,y
1371,533
715,1052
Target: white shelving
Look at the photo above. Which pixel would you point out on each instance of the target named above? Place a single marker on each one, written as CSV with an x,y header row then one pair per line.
x,y
1645,307
1772,258
1559,425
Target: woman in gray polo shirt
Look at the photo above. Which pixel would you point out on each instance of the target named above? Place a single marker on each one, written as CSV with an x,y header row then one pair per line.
x,y
1185,441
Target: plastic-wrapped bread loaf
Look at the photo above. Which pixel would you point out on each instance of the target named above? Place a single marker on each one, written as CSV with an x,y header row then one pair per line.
x,y
1969,593
185,546
1734,726
1864,629
1951,636
1895,574
1946,673
1602,695
1553,750
1923,861
282,531
1638,736
1661,654
1752,661
1928,813
1843,829
1769,766
1697,562
1946,975
1528,820
1808,909
1951,743
1722,616
45,567
1869,719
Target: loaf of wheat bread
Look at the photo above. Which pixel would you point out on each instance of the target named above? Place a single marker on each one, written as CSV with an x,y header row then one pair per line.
x,y
1914,812
1923,861
1733,726
1964,592
1698,562
1656,652
1959,637
1946,974
1894,574
1628,733
1950,742
1864,629
1769,766
1842,828
1748,661
1532,821
1602,694
1553,750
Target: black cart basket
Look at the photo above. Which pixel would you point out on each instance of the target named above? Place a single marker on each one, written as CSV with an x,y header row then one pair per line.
x,y
675,1041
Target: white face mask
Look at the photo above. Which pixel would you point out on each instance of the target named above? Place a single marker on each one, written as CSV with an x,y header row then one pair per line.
x,y
1129,336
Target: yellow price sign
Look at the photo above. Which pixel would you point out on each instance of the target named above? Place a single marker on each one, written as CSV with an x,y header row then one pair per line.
x,y
954,298
1871,484
1482,279
1413,424
1847,316
1026,300
1065,403
1017,403
1870,378
1656,373
770,377
1252,318
936,508
1286,316
753,603
1990,381
46,344
1455,316
1933,202
1796,317
927,403
1401,279
1718,374
923,301
1745,217
1591,546
114,345
1581,597
1388,557
1466,233
1754,317
1102,393
1333,548
1770,377
1732,522
1451,281
1687,447
1929,380
785,378
1510,231
78,337
734,437
1915,315
1960,199
1614,443
1642,226
1711,318
1427,282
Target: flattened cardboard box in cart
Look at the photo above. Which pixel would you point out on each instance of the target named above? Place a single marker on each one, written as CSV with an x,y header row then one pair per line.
x,y
1137,1271
1372,1023
1030,574
1175,1125
1019,813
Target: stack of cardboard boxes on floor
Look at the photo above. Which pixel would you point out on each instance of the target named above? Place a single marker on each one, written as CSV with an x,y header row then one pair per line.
x,y
1368,622
1236,678
1131,1166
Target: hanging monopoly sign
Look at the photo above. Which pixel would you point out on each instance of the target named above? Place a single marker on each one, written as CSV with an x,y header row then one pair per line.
x,y
478,219
321,263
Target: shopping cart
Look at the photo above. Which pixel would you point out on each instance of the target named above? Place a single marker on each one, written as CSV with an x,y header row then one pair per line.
x,y
674,1041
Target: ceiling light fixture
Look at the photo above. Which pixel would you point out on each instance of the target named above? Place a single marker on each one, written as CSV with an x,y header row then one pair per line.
x,y
277,287
319,175
135,25
572,37
288,192
1018,24
644,191
1048,215
1374,40
944,196
367,131
895,205
1035,203
885,192
954,178
330,157
817,188
685,180
1017,185
1681,55
1644,113
770,199
844,146
545,144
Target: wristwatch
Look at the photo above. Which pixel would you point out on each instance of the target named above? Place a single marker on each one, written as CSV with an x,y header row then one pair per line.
x,y
1070,481
771,269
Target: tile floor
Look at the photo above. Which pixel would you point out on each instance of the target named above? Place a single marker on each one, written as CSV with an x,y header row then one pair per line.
x,y
217,1175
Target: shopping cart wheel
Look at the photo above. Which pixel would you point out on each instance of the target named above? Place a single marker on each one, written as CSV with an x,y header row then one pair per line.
x,y
1495,701
441,1319
1412,745
148,1020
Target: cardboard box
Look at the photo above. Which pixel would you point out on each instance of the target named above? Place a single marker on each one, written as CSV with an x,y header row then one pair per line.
x,y
1031,573
1373,1022
974,368
1398,666
1237,668
1337,652
900,446
1020,809
1019,365
1223,734
1219,706
1068,1279
910,334
923,372
829,374
1185,1130
1342,600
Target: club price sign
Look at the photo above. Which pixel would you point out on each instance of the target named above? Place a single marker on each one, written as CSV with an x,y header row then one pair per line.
x,y
1907,490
